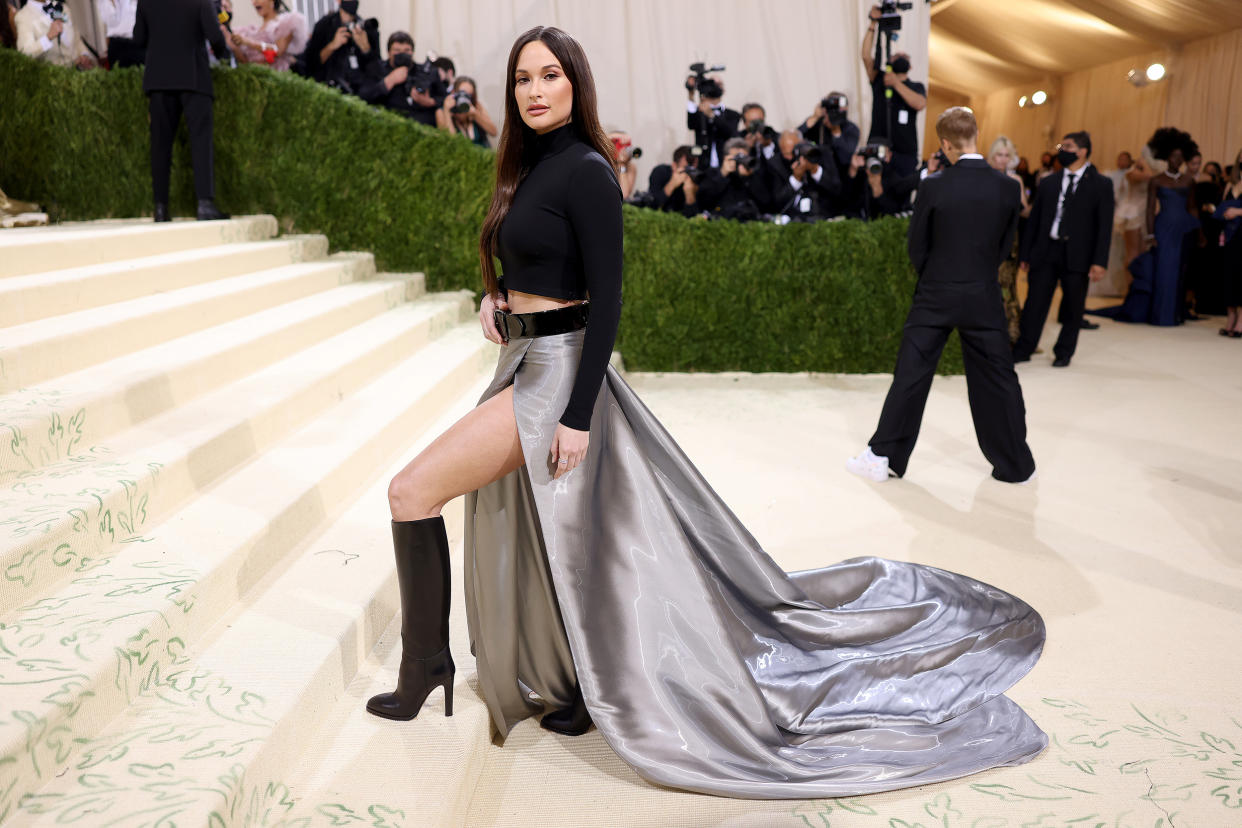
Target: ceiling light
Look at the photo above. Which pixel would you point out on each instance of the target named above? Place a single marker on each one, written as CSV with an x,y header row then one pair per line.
x,y
1039,98
1155,72
1022,102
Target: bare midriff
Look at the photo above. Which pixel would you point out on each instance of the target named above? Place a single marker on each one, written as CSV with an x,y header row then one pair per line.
x,y
530,303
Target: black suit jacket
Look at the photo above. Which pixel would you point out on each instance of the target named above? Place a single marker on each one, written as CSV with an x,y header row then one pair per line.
x,y
963,223
1087,223
713,131
173,32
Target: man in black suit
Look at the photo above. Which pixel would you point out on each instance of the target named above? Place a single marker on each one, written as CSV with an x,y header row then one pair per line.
x,y
711,122
962,229
1066,241
177,79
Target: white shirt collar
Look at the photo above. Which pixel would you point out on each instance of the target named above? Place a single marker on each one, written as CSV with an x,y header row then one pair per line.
x,y
969,156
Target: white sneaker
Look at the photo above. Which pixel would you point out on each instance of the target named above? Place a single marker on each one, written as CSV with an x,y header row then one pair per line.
x,y
869,465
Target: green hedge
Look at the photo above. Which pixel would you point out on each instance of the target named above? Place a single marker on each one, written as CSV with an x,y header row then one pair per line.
x,y
701,296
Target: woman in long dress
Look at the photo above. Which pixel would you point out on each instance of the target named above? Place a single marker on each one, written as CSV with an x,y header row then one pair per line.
x,y
605,576
1157,293
1002,156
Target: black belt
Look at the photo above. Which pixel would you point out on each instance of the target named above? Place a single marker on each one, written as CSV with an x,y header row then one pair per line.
x,y
541,323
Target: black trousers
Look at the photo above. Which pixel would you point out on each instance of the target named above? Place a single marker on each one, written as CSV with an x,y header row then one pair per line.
x,y
1046,273
166,108
977,312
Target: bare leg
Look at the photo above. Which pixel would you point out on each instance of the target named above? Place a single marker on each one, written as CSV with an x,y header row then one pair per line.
x,y
480,447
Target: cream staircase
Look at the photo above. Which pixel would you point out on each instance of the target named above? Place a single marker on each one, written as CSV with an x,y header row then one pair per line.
x,y
198,422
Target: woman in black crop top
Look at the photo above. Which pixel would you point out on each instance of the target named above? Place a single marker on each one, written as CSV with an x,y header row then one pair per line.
x,y
605,577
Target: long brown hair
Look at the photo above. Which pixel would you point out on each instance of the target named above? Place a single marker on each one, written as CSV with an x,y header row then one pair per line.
x,y
513,154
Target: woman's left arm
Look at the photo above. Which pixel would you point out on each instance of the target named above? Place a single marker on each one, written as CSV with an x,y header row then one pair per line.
x,y
595,214
483,119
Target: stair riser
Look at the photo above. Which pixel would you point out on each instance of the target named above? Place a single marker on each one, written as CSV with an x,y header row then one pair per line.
x,y
31,442
31,299
79,536
39,252
28,364
45,740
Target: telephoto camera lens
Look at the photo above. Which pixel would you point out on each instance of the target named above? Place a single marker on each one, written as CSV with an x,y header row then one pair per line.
x,y
461,102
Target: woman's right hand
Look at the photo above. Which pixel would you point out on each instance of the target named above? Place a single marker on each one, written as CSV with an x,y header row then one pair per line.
x,y
487,320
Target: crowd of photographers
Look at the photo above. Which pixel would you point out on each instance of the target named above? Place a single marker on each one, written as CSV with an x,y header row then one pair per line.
x,y
342,50
739,167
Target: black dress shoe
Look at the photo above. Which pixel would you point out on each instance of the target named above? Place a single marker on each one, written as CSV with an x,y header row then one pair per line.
x,y
161,212
207,210
1089,326
1017,358
570,721
1060,362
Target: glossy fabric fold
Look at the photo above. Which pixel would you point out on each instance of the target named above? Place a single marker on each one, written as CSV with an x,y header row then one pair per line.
x,y
704,665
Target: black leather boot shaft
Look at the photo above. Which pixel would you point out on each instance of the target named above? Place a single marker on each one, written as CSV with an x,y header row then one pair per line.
x,y
422,553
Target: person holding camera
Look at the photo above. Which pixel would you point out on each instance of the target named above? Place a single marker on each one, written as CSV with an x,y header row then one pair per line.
x,y
626,153
806,184
962,229
675,188
464,114
895,103
414,90
710,121
45,31
177,80
342,49
874,186
734,189
830,126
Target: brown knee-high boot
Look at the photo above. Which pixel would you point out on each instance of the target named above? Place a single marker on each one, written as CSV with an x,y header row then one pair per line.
x,y
422,552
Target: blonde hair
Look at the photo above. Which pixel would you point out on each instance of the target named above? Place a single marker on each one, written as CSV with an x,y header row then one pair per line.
x,y
957,125
1003,142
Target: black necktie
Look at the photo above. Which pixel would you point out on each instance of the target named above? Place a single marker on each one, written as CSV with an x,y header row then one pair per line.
x,y
1069,191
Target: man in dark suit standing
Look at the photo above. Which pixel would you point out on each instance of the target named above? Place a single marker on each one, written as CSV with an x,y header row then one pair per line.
x,y
177,79
962,229
1066,241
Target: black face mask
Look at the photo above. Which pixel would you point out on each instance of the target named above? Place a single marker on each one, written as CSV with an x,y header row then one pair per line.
x,y
1066,157
901,66
350,7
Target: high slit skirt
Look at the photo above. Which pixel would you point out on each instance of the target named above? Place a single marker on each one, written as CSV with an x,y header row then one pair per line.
x,y
704,665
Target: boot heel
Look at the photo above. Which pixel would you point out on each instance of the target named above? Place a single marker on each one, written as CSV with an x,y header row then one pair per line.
x,y
448,696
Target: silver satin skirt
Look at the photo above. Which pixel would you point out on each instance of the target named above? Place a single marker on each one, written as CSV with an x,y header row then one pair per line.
x,y
704,665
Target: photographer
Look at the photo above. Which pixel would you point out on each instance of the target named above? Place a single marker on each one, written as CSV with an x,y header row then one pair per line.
x,y
675,189
45,31
710,121
807,183
733,191
875,187
830,126
342,48
626,153
896,100
464,114
413,90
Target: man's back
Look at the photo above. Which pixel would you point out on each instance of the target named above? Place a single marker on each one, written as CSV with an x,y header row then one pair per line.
x,y
173,31
964,223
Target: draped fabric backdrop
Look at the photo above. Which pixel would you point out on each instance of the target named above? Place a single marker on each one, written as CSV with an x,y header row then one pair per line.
x,y
1202,94
784,55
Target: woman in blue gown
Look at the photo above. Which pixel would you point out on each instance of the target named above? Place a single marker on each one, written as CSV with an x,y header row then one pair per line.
x,y
1157,294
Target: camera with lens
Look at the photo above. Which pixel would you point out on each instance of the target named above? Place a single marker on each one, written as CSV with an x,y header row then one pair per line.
x,y
836,107
694,170
708,87
758,126
618,145
461,102
890,15
745,160
877,154
809,151
422,75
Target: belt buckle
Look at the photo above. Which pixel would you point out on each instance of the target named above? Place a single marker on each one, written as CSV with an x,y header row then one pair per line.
x,y
502,327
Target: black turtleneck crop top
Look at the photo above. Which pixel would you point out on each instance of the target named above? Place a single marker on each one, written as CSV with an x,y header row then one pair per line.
x,y
562,238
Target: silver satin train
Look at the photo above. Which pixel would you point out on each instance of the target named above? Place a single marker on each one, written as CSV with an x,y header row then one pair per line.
x,y
704,665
